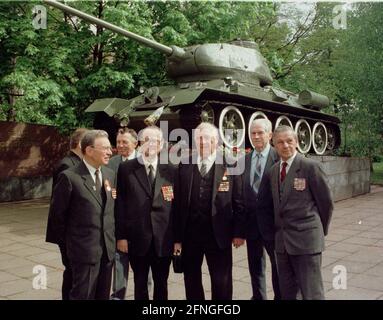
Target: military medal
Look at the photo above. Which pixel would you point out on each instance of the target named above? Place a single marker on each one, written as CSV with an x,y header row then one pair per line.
x,y
299,184
224,186
167,193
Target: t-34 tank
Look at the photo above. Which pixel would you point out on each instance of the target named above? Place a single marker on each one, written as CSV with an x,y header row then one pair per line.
x,y
228,84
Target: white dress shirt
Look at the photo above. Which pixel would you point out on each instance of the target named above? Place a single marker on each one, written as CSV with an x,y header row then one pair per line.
x,y
289,162
263,160
209,161
92,171
152,162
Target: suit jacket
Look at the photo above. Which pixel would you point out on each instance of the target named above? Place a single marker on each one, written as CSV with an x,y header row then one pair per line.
x,y
115,161
259,207
69,161
80,219
228,215
302,217
143,215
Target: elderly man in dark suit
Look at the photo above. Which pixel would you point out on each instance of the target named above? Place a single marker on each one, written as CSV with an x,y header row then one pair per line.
x,y
70,161
259,208
210,217
126,143
303,208
82,213
144,213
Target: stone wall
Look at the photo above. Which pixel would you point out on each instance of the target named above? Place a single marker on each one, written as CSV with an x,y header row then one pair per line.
x,y
28,156
348,177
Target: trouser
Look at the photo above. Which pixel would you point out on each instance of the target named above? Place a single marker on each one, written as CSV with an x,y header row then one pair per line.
x,y
160,271
92,281
220,264
300,273
120,275
257,266
67,274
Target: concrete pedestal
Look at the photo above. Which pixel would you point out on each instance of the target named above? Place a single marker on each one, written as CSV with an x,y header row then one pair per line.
x,y
348,176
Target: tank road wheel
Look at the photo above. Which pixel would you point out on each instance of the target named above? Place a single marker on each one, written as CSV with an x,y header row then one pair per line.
x,y
283,120
207,113
319,138
331,139
255,115
303,131
231,127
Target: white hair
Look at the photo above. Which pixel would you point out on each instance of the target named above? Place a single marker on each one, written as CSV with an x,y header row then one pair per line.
x,y
209,127
154,128
265,123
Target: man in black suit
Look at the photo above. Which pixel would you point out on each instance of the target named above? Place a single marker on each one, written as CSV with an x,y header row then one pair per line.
x,y
302,209
82,213
144,213
74,156
126,143
259,208
210,217
70,161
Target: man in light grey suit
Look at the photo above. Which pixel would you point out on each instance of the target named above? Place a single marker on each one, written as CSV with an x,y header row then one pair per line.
x,y
302,211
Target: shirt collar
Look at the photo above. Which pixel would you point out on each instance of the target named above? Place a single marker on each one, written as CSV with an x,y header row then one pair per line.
x,y
92,170
290,160
152,162
264,152
130,157
209,160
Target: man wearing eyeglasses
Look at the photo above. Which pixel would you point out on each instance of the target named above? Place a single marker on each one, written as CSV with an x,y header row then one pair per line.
x,y
144,210
82,215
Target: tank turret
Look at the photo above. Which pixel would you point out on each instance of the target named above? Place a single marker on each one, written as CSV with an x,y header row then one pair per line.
x,y
228,84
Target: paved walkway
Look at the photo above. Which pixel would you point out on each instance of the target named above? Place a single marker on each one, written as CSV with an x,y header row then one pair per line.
x,y
355,242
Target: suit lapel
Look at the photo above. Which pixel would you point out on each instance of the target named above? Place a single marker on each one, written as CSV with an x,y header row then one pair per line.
x,y
142,178
189,176
248,170
275,186
219,171
106,177
89,183
269,163
160,179
289,181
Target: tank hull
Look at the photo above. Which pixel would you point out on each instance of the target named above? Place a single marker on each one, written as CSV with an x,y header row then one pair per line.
x,y
184,110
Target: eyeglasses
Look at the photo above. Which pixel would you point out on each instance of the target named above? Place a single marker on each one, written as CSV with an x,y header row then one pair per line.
x,y
102,148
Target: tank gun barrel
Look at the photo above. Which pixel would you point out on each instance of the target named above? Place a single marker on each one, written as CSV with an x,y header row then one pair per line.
x,y
171,52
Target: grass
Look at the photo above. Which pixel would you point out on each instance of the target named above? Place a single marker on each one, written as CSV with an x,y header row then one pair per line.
x,y
377,175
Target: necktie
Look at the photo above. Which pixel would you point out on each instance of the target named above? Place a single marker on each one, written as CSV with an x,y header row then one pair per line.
x,y
151,176
203,169
257,173
98,180
283,171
